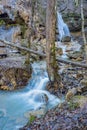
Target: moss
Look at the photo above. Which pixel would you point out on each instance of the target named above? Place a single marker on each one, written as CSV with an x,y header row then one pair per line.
x,y
73,105
77,101
31,119
2,22
78,97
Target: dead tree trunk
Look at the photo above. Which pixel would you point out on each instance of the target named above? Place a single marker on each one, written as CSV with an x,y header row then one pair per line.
x,y
30,31
83,32
52,66
84,37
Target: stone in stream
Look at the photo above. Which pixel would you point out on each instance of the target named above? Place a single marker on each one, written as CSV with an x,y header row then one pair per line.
x,y
43,98
66,39
39,112
64,33
2,113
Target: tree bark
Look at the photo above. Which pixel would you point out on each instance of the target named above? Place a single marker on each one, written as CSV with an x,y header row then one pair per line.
x,y
84,37
52,67
83,32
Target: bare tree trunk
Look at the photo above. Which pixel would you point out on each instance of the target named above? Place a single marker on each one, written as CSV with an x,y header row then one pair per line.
x,y
83,31
84,37
27,61
52,67
30,32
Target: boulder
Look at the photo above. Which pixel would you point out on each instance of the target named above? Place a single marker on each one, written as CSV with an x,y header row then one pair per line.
x,y
13,74
37,113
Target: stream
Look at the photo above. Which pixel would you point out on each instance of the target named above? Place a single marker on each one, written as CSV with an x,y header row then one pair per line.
x,y
14,105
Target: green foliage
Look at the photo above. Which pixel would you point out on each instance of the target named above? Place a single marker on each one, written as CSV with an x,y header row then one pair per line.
x,y
32,118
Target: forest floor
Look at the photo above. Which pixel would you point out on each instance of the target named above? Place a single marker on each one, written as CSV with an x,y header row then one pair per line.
x,y
61,119
68,115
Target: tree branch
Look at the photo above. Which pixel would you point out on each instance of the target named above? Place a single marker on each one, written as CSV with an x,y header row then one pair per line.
x,y
44,55
71,62
22,48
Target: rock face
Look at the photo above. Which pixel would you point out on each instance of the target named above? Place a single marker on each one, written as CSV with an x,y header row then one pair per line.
x,y
13,78
20,8
15,10
13,75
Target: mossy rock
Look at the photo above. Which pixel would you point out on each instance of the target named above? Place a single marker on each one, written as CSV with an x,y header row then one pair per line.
x,y
77,101
84,82
72,105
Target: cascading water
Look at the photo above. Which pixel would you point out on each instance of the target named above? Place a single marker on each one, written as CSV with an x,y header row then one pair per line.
x,y
64,36
64,33
14,105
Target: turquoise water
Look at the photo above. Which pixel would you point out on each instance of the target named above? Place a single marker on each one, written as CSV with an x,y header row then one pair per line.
x,y
14,105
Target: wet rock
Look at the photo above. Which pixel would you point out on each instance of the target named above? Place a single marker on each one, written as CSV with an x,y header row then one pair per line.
x,y
42,98
37,113
13,74
66,39
2,113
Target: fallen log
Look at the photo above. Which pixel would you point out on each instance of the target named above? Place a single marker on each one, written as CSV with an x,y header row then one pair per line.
x,y
23,48
44,55
71,62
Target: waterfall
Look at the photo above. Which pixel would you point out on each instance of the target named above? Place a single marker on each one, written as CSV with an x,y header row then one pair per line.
x,y
15,105
64,33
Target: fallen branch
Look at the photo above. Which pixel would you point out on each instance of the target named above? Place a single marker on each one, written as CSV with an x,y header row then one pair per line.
x,y
44,55
22,48
71,62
